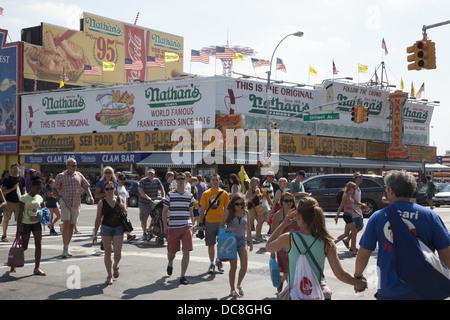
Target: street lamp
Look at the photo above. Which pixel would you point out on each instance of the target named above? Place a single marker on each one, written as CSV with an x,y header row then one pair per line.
x,y
297,34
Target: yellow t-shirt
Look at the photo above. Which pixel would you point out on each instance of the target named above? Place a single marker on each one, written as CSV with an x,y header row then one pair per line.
x,y
215,213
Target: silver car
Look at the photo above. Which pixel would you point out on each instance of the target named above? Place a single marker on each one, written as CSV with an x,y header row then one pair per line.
x,y
442,197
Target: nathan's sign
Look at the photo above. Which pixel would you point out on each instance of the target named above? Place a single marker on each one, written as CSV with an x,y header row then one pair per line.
x,y
173,96
112,29
397,149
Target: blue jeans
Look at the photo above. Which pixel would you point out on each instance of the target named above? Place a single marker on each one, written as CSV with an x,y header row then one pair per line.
x,y
107,231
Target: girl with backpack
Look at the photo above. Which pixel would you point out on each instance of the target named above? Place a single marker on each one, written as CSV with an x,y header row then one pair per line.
x,y
319,242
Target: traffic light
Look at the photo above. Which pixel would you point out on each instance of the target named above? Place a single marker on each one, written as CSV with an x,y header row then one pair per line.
x,y
355,114
423,55
272,124
414,56
364,114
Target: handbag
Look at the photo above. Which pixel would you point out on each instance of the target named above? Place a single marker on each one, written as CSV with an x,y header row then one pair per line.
x,y
274,268
226,245
44,216
415,264
259,209
16,255
126,223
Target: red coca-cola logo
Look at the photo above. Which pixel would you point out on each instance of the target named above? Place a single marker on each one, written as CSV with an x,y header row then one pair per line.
x,y
135,51
306,286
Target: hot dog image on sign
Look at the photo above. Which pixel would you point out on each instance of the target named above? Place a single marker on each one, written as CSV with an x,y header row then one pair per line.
x,y
116,110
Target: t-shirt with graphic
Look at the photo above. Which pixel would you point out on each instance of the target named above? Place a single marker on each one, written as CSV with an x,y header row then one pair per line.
x,y
217,210
422,222
31,208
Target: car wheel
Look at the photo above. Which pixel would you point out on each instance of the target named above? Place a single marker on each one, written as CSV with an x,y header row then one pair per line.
x,y
87,200
371,208
133,201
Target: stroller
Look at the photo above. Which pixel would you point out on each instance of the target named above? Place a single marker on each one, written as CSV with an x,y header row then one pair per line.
x,y
157,227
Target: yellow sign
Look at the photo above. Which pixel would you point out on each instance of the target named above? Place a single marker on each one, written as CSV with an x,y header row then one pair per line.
x,y
104,43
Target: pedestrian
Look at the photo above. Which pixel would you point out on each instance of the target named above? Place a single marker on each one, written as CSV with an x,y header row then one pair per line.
x,y
425,223
124,194
267,203
169,178
347,203
31,172
253,196
296,186
201,186
52,205
235,186
287,204
28,221
212,207
282,182
148,192
109,215
194,191
67,188
2,205
431,190
236,220
13,188
179,208
108,175
312,228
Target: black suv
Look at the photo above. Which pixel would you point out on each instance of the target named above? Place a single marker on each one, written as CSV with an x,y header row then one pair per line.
x,y
324,189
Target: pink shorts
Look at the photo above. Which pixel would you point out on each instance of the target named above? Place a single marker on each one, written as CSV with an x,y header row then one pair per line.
x,y
177,235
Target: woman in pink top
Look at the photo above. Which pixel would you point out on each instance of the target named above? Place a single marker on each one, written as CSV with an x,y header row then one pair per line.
x,y
347,203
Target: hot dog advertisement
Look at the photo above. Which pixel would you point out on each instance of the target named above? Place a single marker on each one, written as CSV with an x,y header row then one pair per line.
x,y
140,107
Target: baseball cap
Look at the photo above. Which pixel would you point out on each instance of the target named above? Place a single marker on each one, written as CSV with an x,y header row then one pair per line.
x,y
31,170
270,173
151,170
356,175
302,173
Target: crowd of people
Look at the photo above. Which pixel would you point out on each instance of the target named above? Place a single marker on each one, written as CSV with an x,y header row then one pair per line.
x,y
193,207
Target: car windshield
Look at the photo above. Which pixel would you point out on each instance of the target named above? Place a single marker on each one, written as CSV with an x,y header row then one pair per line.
x,y
446,189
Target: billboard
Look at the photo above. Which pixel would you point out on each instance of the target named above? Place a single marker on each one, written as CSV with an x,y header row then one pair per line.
x,y
139,107
98,53
10,85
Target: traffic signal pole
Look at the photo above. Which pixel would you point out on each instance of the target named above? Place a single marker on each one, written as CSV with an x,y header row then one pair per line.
x,y
425,28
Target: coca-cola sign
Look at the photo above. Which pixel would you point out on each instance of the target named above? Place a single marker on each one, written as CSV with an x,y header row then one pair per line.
x,y
135,50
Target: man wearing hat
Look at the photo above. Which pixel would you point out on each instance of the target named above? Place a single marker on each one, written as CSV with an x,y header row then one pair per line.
x,y
297,189
148,191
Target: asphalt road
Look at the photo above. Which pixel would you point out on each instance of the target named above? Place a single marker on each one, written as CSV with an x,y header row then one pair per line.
x,y
143,269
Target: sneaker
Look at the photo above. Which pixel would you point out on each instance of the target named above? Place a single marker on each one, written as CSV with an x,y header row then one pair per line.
x,y
183,280
219,265
211,269
53,232
131,237
66,253
169,270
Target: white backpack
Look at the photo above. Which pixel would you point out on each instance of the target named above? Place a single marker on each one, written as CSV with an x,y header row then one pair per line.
x,y
306,286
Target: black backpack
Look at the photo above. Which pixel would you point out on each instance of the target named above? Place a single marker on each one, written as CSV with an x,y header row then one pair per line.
x,y
339,196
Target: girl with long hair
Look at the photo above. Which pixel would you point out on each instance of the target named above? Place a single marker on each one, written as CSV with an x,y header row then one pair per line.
x,y
313,230
236,220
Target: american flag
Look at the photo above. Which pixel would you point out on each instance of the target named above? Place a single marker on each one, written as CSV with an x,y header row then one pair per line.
x,y
224,53
421,90
133,64
198,56
280,65
155,62
383,46
335,70
260,63
92,70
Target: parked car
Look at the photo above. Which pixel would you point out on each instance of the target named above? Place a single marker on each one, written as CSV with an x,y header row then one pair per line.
x,y
324,189
422,192
130,185
442,197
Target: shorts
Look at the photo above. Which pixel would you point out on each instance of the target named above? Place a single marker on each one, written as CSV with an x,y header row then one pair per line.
x,y
430,196
51,203
144,211
347,218
211,233
176,236
196,213
241,243
358,222
69,213
107,231
28,228
9,209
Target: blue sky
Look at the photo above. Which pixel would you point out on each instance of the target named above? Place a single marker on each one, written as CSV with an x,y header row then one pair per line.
x,y
348,31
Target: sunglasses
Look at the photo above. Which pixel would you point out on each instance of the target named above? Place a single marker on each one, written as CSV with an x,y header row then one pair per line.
x,y
288,200
109,189
239,204
108,172
180,178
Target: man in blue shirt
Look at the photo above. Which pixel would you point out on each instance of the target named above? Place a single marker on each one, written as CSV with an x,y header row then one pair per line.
x,y
423,222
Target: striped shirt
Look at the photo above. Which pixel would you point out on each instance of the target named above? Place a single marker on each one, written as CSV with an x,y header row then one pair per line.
x,y
179,208
150,188
70,187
